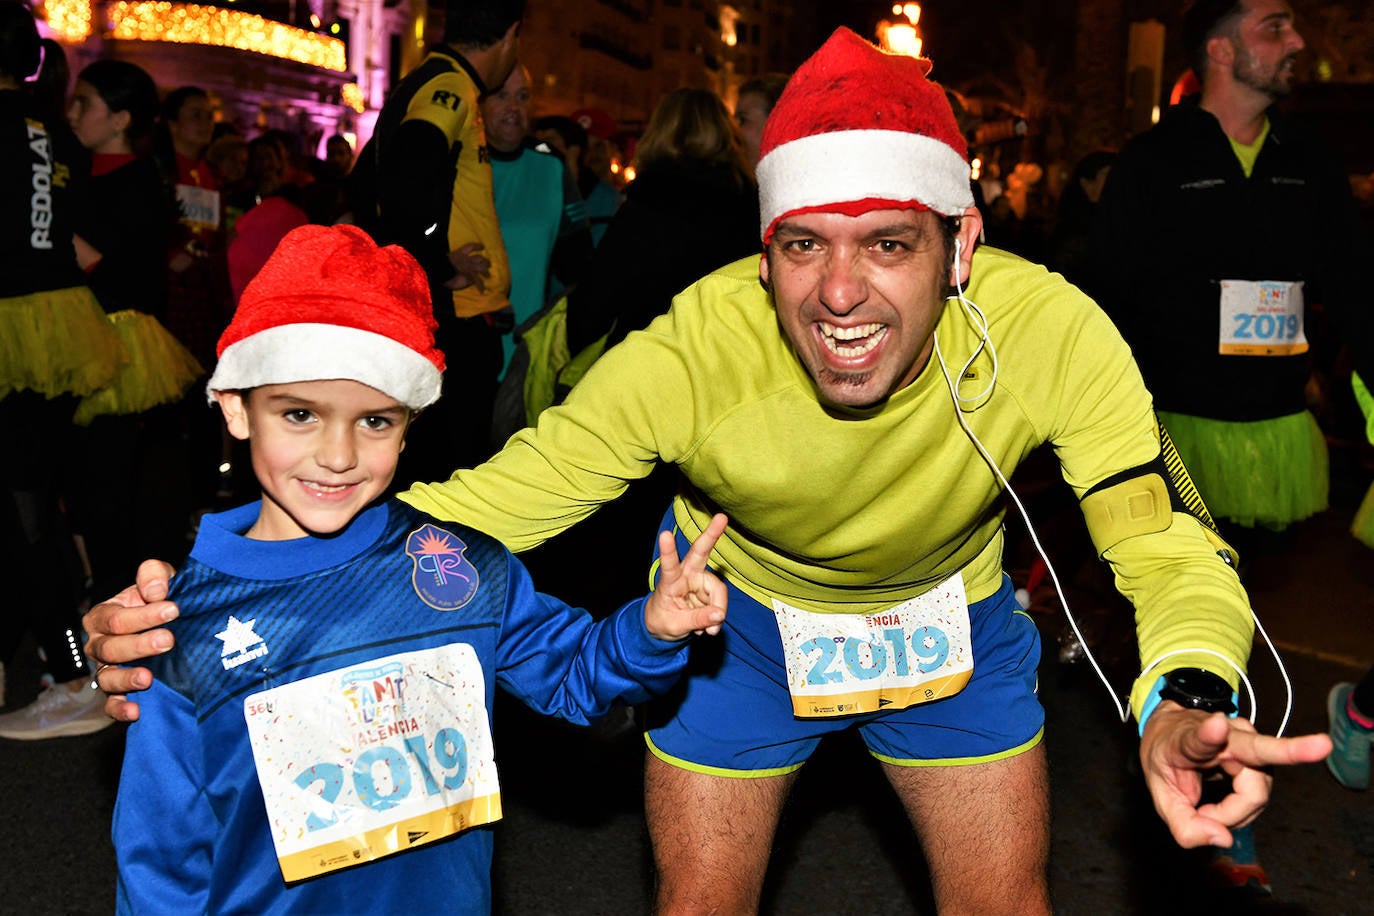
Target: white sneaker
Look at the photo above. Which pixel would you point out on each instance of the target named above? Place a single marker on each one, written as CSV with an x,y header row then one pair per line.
x,y
57,712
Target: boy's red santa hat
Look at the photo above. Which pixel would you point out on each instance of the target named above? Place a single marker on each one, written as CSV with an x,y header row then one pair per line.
x,y
858,129
330,304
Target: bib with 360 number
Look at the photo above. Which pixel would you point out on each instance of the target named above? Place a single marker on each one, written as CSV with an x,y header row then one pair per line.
x,y
1261,318
844,664
373,759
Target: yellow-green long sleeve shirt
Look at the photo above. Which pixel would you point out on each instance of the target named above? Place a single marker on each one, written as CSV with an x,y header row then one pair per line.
x,y
851,511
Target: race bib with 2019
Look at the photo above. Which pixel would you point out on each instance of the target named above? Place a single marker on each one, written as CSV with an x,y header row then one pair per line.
x,y
1261,318
373,759
845,664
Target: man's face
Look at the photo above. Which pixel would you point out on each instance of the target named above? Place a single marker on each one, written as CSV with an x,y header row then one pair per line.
x,y
859,297
1266,46
506,112
323,451
751,113
339,155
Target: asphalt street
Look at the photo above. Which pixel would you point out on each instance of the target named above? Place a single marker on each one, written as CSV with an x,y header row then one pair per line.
x,y
573,841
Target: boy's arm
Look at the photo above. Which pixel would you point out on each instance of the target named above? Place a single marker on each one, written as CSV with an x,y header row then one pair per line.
x,y
163,826
560,662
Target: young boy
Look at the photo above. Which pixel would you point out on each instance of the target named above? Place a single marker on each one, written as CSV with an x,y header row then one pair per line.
x,y
329,702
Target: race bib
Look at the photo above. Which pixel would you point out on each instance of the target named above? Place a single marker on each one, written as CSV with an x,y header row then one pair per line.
x,y
199,206
844,664
374,759
1261,318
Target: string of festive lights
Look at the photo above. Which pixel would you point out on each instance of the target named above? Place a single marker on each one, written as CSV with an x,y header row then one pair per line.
x,y
353,97
70,20
189,23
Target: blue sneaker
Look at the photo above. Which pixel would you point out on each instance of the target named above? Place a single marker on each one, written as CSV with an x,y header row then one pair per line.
x,y
1349,758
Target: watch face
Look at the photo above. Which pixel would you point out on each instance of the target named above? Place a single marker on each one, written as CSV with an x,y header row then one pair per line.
x,y
1201,684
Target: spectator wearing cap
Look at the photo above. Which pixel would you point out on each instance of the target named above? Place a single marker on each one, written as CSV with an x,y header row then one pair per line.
x,y
598,185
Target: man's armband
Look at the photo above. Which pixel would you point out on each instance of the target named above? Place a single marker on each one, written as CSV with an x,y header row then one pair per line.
x,y
1143,500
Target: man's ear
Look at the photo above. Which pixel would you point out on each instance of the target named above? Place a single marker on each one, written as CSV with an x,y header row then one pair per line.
x,y
970,228
1220,50
764,270
235,410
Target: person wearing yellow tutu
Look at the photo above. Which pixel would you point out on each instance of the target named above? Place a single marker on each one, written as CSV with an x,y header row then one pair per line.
x,y
124,221
55,346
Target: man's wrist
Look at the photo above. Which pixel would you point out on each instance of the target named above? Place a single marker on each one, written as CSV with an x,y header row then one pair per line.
x,y
1190,688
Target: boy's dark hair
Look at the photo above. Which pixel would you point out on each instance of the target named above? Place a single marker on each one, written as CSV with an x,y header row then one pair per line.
x,y
480,23
18,41
125,87
573,134
1203,21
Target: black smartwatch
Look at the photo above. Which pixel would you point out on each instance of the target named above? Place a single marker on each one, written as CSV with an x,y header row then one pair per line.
x,y
1194,688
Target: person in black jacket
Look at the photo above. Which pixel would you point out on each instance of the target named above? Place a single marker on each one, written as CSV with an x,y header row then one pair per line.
x,y
56,346
1217,231
692,207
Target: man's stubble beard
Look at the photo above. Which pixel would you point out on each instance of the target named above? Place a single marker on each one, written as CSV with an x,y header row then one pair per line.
x,y
1276,85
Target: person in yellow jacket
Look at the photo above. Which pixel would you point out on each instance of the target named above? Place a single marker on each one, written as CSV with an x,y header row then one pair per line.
x,y
434,198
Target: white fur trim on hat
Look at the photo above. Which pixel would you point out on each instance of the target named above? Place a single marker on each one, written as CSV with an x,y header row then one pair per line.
x,y
850,165
314,352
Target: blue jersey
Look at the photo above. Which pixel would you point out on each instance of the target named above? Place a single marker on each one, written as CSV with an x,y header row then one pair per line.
x,y
367,621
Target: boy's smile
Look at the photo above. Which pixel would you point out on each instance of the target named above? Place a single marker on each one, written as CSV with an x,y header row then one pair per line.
x,y
322,451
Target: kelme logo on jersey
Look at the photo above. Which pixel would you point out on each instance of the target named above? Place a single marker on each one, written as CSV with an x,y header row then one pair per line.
x,y
442,577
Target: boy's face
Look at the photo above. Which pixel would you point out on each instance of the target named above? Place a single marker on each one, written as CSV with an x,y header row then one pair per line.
x,y
322,451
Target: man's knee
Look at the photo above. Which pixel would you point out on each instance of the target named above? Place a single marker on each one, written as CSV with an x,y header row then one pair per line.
x,y
711,836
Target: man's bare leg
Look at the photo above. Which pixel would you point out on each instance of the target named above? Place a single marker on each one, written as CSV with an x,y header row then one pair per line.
x,y
985,829
711,837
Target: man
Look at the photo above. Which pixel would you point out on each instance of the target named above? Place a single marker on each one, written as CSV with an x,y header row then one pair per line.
x,y
595,180
543,220
434,198
1215,308
812,395
1222,341
338,156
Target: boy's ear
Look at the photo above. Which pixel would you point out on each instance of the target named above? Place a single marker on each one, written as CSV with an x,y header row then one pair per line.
x,y
410,418
235,411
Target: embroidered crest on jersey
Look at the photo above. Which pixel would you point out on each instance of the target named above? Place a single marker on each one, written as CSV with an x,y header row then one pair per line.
x,y
442,576
241,644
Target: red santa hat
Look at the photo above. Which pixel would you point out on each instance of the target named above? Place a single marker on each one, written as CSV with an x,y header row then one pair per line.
x,y
330,304
858,129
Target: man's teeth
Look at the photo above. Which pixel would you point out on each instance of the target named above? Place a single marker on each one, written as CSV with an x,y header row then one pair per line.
x,y
867,335
325,488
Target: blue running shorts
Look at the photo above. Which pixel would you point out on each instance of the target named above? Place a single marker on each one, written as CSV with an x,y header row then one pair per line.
x,y
732,715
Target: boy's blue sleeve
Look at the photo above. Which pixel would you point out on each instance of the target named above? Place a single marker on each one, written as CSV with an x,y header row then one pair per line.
x,y
559,661
163,823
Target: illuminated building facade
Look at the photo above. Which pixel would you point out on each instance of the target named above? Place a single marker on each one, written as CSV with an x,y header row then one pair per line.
x,y
316,67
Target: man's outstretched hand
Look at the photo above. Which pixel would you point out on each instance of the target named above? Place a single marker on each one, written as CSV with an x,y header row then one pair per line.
x,y
1180,745
122,629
